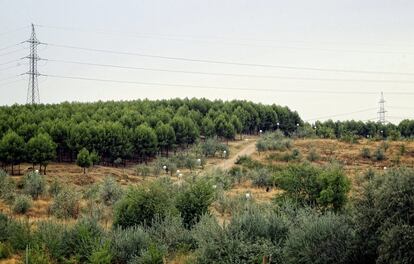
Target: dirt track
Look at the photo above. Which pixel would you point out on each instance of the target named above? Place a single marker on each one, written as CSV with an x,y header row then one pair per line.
x,y
247,150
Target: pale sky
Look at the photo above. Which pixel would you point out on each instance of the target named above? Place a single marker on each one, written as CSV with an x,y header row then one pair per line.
x,y
369,35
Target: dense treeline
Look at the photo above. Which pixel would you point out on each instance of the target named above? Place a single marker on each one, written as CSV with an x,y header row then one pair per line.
x,y
130,130
341,129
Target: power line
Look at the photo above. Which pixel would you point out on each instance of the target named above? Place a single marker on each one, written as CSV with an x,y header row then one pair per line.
x,y
210,39
229,62
11,67
13,30
8,62
228,74
219,88
10,46
11,52
342,114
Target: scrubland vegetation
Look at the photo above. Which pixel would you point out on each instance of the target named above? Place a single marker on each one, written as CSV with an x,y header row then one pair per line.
x,y
309,194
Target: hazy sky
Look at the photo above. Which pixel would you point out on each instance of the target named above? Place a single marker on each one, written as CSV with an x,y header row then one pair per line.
x,y
368,35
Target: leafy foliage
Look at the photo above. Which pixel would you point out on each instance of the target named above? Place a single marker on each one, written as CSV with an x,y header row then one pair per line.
x,y
22,204
194,201
142,204
34,184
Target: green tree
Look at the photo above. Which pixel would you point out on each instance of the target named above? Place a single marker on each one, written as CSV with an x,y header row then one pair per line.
x,y
83,159
194,202
207,128
142,204
41,150
12,148
224,127
145,141
237,124
165,136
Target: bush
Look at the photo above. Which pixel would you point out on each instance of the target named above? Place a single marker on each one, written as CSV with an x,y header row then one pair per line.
x,y
101,255
34,184
306,184
194,201
65,204
251,235
142,204
313,155
171,233
247,162
50,236
154,254
397,245
37,256
127,243
55,187
7,187
5,250
143,170
365,153
19,234
273,141
82,239
379,154
4,230
110,191
261,177
22,204
320,239
384,204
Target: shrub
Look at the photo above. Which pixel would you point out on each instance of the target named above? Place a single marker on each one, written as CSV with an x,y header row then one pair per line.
x,y
154,254
171,233
273,141
249,237
65,204
261,177
320,239
194,201
5,250
19,234
397,245
128,242
366,153
141,204
247,162
37,255
50,235
143,170
313,155
310,185
55,187
101,255
382,211
110,191
22,204
82,239
6,187
379,154
34,184
4,224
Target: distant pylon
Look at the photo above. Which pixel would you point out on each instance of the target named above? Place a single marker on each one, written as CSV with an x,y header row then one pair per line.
x,y
33,96
382,111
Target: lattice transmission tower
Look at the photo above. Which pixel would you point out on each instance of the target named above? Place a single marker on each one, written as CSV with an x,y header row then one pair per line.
x,y
382,111
33,96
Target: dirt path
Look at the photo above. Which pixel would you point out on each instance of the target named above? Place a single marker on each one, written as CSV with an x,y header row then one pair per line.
x,y
247,150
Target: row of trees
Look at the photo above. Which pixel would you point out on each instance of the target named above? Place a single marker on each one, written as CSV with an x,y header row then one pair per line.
x,y
135,130
340,129
40,149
